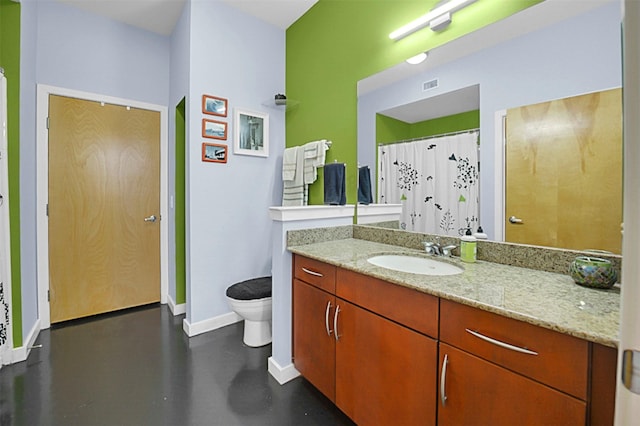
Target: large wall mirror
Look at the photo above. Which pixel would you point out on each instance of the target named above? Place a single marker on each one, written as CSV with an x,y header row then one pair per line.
x,y
554,65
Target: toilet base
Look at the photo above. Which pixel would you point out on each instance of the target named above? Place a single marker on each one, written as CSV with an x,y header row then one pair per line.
x,y
256,333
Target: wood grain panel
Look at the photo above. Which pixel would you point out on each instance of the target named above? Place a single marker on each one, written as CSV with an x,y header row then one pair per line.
x,y
602,398
104,175
320,274
408,307
385,373
481,393
562,360
313,349
564,172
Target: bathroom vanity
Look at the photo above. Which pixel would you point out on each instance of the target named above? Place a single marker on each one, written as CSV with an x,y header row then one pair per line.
x,y
496,344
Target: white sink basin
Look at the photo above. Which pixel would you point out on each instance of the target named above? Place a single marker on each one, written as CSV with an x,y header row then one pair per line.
x,y
414,264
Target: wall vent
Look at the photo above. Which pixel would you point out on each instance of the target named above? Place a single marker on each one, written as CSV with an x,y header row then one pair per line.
x,y
431,84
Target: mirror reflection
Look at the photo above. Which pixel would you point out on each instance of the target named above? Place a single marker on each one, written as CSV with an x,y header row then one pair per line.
x,y
534,85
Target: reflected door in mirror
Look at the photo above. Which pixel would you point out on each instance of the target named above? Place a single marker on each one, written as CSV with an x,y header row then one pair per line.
x,y
564,172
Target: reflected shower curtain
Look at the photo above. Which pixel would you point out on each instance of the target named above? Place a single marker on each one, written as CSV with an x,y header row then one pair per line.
x,y
435,180
5,314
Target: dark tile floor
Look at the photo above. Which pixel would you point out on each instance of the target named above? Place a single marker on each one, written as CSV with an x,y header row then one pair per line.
x,y
139,368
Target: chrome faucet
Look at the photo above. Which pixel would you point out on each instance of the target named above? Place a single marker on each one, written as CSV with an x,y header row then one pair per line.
x,y
436,249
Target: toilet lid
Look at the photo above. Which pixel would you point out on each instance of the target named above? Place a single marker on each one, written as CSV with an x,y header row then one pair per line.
x,y
255,288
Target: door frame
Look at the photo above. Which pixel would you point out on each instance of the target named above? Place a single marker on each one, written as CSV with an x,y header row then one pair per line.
x,y
42,187
500,141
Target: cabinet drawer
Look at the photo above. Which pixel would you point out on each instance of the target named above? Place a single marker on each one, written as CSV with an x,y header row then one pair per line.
x,y
560,361
319,274
476,392
411,308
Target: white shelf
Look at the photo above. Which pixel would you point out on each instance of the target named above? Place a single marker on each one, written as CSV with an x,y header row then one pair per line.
x,y
287,105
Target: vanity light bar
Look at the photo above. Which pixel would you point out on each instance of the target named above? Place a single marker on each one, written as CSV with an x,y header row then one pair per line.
x,y
449,7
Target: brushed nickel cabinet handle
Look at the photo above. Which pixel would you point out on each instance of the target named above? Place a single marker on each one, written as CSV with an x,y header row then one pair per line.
x,y
443,380
501,344
326,318
317,274
335,323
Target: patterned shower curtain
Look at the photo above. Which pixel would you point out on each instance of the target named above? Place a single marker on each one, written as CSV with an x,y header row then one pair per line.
x,y
5,324
435,180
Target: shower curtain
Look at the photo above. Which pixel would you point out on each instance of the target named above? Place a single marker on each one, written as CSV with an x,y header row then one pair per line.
x,y
5,331
435,180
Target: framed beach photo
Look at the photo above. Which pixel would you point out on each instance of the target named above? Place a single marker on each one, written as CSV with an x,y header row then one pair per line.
x,y
251,133
214,129
214,105
214,153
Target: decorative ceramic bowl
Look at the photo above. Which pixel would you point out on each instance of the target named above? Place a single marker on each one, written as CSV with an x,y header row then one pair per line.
x,y
593,272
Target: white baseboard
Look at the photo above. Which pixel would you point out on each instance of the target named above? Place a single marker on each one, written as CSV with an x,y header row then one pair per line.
x,y
210,324
21,353
282,374
176,309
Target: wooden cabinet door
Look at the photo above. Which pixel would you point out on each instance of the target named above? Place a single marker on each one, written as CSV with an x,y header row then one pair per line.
x,y
481,393
313,340
385,373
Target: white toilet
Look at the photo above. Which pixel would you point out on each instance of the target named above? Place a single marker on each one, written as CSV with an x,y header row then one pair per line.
x,y
251,300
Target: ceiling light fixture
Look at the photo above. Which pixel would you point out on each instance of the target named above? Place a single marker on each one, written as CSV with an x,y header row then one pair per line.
x,y
419,58
437,18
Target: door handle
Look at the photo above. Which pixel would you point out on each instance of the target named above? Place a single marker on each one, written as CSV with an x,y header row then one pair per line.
x,y
326,318
335,323
443,380
515,220
151,218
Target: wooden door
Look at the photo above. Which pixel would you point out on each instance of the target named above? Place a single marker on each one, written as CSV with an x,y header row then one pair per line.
x,y
481,393
104,180
564,172
385,373
313,340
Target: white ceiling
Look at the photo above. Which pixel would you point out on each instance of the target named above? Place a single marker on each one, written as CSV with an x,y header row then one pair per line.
x,y
160,16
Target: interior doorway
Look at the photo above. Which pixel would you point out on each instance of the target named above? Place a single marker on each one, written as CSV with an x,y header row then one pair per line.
x,y
114,159
104,207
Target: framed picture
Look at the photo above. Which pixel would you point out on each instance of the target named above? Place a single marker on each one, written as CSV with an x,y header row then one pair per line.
x,y
251,133
214,105
214,129
214,153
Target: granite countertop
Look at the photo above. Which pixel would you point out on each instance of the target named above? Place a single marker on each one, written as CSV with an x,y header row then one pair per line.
x,y
546,299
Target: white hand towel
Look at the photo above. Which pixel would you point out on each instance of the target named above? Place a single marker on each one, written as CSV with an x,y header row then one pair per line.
x,y
289,163
314,157
293,190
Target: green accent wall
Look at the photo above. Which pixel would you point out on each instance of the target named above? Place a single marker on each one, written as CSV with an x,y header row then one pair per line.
x,y
10,61
389,130
338,42
452,123
180,204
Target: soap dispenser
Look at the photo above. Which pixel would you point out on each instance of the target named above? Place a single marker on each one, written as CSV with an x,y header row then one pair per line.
x,y
480,235
468,245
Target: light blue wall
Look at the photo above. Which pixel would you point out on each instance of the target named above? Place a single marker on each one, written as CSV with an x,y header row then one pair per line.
x,y
577,56
82,51
29,286
65,47
229,229
241,58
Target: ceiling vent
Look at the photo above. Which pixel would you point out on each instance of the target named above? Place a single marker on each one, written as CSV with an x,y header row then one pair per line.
x,y
429,85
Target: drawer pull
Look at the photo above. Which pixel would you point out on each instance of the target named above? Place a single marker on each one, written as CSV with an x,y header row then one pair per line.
x,y
326,319
335,323
316,274
501,344
443,380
